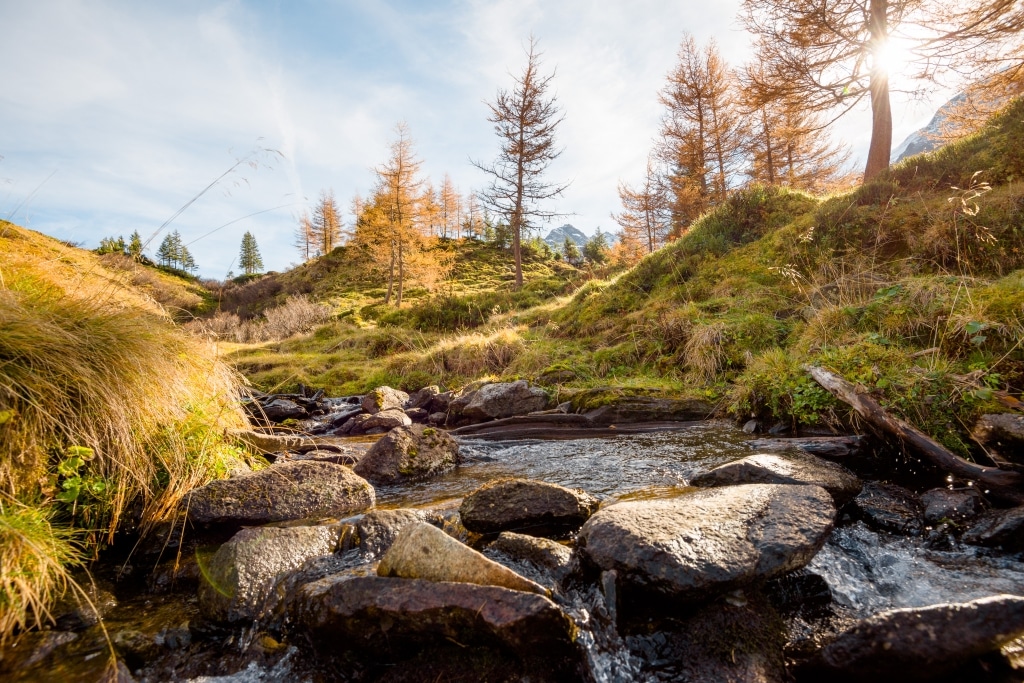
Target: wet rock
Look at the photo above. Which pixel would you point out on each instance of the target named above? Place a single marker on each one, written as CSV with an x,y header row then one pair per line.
x,y
1002,434
409,453
921,643
887,507
377,530
798,590
422,397
712,540
241,574
777,469
353,426
389,617
440,403
751,426
539,559
998,528
422,551
526,506
384,398
606,406
283,492
277,410
32,648
74,612
500,399
955,506
831,447
267,443
385,421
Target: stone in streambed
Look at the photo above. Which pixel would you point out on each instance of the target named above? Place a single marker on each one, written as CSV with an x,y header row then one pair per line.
x,y
384,398
422,551
920,643
1002,434
776,469
239,577
709,541
283,492
408,454
955,506
887,507
385,421
539,559
998,528
378,529
500,399
526,506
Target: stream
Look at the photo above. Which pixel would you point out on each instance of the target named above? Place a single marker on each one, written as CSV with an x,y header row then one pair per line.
x,y
865,571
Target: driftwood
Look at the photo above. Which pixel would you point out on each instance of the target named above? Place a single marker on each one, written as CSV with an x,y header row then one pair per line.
x,y
1002,482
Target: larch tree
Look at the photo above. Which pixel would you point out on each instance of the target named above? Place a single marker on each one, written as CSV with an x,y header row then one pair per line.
x,y
305,237
525,119
450,207
702,131
326,223
644,219
249,259
829,55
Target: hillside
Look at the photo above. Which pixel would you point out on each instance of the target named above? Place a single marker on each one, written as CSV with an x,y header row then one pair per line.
x,y
910,285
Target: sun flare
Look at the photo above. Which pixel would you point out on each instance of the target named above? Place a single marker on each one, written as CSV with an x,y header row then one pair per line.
x,y
893,56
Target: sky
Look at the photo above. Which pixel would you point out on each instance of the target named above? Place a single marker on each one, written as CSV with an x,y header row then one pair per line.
x,y
115,116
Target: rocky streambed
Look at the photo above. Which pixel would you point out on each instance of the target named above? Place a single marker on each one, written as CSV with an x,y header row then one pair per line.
x,y
696,553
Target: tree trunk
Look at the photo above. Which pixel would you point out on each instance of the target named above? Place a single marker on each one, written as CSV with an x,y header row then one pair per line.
x,y
1003,483
391,275
881,112
401,275
769,161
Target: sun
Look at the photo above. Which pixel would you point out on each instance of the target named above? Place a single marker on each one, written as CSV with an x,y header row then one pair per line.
x,y
893,56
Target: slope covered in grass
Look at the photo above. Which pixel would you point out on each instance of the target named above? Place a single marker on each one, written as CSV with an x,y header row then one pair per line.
x,y
104,404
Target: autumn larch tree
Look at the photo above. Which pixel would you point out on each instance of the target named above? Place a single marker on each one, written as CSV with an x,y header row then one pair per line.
x,y
829,55
525,119
645,217
249,259
702,131
326,223
305,237
449,207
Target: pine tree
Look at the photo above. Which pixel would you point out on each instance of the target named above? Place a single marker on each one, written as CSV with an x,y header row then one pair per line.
x,y
596,248
166,253
249,259
135,246
571,253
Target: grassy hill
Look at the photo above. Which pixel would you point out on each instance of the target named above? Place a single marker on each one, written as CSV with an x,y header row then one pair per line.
x,y
910,285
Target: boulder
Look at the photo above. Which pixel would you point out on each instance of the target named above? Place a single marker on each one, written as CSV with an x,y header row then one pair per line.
x,y
539,559
377,529
777,469
417,414
388,617
409,453
708,541
238,579
500,399
920,643
437,419
423,397
998,528
306,489
955,506
607,405
887,507
440,403
526,506
1002,434
384,398
422,551
278,410
353,426
385,421
268,443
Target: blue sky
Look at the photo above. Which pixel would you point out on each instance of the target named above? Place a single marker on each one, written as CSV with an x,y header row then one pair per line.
x,y
113,115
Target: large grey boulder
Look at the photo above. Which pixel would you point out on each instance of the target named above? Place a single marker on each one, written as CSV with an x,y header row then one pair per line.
x,y
409,453
777,469
384,398
422,551
920,643
709,541
289,491
542,560
385,421
1002,434
998,528
239,577
378,529
527,506
388,617
422,397
500,399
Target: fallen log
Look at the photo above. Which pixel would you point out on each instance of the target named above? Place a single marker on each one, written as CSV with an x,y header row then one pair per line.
x,y
1003,483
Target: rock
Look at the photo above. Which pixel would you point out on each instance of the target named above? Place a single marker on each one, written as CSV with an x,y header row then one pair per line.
x,y
72,612
1002,528
417,414
240,575
385,421
776,469
440,403
500,399
289,491
712,540
384,398
422,551
539,559
1002,434
955,506
887,507
354,425
278,410
831,447
920,643
377,530
607,405
409,453
267,443
31,648
751,426
389,616
437,419
423,397
526,506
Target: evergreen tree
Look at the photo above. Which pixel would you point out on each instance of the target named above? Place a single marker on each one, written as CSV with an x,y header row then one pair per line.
x,y
596,249
571,252
165,253
249,259
135,246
